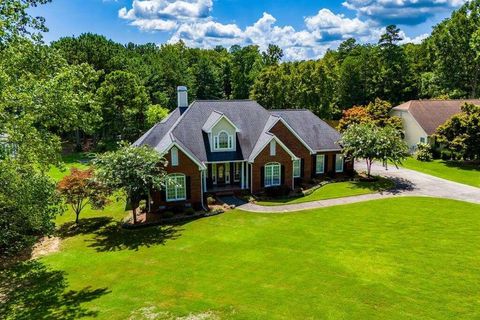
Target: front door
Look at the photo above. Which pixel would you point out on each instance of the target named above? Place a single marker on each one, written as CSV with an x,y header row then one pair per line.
x,y
220,173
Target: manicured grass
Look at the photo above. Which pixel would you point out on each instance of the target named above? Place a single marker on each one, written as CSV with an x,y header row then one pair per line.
x,y
81,161
76,160
450,170
402,258
335,190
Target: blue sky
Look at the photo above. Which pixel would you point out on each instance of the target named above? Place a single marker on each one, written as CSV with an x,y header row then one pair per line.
x,y
303,28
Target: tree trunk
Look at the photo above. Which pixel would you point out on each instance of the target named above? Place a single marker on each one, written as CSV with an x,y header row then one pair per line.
x,y
134,213
369,167
78,143
77,214
474,87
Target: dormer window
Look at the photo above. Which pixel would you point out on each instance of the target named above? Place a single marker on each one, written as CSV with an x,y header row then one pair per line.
x,y
223,141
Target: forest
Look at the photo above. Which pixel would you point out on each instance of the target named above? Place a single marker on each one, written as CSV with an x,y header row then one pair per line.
x,y
94,91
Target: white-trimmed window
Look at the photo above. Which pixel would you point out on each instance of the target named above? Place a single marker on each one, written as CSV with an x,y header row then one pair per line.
x,y
272,174
320,165
175,185
423,140
223,141
296,168
273,148
338,163
174,156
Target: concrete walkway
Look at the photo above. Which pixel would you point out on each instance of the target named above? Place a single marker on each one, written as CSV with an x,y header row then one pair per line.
x,y
408,183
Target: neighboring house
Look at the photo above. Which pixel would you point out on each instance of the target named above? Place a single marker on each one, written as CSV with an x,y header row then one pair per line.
x,y
421,118
232,145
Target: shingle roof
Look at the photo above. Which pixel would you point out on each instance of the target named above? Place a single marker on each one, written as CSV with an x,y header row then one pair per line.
x,y
316,133
252,121
430,114
153,136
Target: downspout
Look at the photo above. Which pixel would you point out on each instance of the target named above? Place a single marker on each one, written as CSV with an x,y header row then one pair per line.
x,y
202,173
251,178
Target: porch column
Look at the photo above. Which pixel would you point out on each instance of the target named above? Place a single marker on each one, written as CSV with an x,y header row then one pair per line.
x,y
242,176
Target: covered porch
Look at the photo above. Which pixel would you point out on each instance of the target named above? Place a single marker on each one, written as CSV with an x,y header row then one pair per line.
x,y
223,177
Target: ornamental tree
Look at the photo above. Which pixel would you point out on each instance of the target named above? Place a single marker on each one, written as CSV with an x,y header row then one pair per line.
x,y
80,189
135,171
377,112
461,133
369,142
352,116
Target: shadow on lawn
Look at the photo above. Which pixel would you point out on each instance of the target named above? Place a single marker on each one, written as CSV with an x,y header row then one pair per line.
x,y
467,166
85,226
30,290
108,235
114,238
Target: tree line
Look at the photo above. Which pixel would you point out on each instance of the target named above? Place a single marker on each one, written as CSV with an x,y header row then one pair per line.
x,y
127,88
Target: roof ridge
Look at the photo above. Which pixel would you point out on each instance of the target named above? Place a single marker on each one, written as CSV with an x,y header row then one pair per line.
x,y
223,100
289,109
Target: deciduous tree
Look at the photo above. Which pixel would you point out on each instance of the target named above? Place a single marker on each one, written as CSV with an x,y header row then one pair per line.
x,y
373,143
133,170
80,189
461,133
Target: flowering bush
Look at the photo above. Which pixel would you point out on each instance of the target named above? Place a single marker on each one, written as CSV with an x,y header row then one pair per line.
x,y
424,152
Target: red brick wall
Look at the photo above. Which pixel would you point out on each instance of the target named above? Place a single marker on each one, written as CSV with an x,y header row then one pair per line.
x,y
190,169
330,165
296,146
263,158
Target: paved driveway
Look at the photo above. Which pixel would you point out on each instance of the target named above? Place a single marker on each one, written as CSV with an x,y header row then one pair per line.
x,y
417,183
408,183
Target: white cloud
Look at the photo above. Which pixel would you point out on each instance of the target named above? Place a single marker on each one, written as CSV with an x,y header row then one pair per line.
x,y
190,21
408,12
416,40
167,9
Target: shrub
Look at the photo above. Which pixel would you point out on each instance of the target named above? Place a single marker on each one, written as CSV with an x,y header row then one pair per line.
x,y
278,191
211,200
189,211
168,214
424,152
143,206
445,155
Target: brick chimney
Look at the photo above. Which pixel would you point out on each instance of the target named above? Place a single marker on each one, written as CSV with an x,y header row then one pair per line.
x,y
182,97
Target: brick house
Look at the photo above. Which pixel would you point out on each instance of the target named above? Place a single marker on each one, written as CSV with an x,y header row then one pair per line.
x,y
219,146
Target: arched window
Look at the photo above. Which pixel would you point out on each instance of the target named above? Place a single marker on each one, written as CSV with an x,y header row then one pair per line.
x,y
272,174
223,141
175,187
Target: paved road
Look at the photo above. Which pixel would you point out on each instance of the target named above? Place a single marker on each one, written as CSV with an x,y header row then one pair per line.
x,y
408,183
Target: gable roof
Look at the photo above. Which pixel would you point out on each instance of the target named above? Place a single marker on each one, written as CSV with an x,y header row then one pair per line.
x,y
214,118
430,114
251,121
316,133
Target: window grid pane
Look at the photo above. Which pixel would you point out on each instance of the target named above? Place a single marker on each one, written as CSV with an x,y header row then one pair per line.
x,y
338,163
175,187
296,168
320,163
223,140
272,175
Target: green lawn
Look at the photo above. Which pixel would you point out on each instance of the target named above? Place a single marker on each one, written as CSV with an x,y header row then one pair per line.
x,y
450,170
335,190
402,258
76,160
